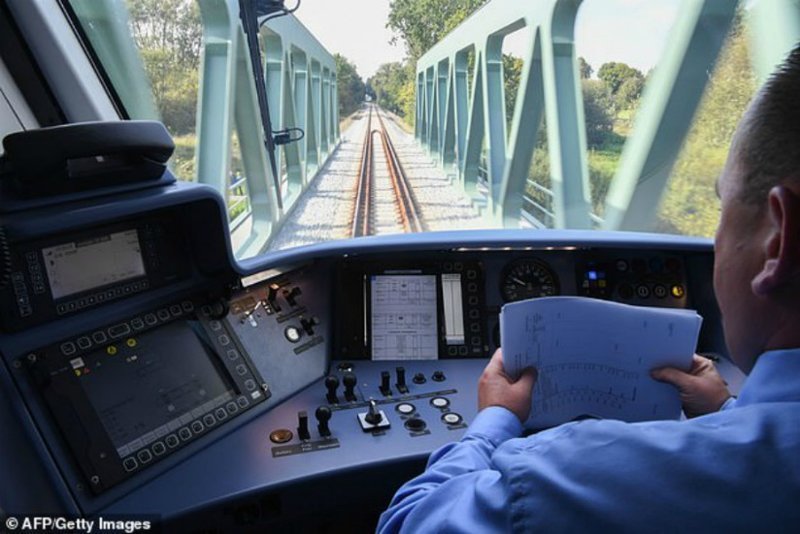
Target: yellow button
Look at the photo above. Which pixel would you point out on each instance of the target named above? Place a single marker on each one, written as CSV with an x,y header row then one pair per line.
x,y
131,342
677,291
77,372
111,350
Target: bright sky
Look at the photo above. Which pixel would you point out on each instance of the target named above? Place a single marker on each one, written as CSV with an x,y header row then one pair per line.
x,y
631,31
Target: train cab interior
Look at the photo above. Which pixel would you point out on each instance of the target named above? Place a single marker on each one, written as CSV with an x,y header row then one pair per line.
x,y
162,359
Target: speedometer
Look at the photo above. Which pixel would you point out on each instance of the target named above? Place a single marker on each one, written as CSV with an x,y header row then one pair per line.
x,y
528,279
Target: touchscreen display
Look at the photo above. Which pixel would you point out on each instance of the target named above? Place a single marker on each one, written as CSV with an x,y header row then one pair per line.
x,y
146,387
404,317
82,265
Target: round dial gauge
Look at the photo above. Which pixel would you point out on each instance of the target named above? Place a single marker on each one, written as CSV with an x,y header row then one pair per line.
x,y
528,279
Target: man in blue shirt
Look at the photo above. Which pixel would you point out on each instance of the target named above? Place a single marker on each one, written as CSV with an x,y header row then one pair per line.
x,y
734,465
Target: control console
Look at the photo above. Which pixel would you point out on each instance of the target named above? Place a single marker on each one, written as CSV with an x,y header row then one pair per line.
x,y
130,394
62,275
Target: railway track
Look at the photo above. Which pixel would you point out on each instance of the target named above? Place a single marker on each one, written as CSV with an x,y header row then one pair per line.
x,y
384,200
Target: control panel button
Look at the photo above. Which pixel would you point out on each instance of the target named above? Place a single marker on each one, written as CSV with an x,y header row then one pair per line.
x,y
144,456
197,427
419,378
84,342
232,407
68,348
209,420
118,330
415,424
642,291
137,324
175,310
159,448
150,319
242,402
172,441
293,334
282,435
163,314
129,464
187,306
99,337
232,354
440,402
220,414
452,418
438,376
185,434
405,408
224,340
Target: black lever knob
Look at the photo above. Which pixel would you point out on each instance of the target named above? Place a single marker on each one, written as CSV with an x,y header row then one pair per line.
x,y
302,426
332,383
350,382
401,379
373,416
309,324
291,296
272,295
419,378
323,415
386,390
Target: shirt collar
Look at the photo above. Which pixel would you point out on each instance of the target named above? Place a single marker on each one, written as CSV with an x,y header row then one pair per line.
x,y
775,378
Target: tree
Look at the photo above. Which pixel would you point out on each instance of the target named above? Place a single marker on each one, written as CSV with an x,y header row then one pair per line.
x,y
420,24
389,84
614,74
690,204
629,92
512,70
597,110
423,23
169,36
350,86
585,69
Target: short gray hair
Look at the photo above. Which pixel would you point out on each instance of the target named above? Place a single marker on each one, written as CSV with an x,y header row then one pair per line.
x,y
768,141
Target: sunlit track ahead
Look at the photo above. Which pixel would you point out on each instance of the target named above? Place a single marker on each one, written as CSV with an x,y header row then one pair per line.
x,y
371,206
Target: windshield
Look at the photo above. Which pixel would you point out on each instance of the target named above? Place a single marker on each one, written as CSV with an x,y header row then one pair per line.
x,y
390,117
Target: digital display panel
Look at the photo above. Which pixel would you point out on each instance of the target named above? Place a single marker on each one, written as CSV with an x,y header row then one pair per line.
x,y
149,386
403,318
453,309
86,264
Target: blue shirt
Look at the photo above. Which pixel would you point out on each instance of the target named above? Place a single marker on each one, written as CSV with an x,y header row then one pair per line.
x,y
734,470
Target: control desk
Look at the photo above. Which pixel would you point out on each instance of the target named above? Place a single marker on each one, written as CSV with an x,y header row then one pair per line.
x,y
149,373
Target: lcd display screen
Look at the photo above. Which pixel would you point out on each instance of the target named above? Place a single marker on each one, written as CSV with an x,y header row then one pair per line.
x,y
149,386
404,321
90,263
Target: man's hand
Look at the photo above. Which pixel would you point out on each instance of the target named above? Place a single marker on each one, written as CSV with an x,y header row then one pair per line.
x,y
702,389
496,388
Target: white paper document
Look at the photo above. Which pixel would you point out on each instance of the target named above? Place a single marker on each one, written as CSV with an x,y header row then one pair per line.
x,y
594,357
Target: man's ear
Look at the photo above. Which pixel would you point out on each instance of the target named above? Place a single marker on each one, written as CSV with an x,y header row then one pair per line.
x,y
782,242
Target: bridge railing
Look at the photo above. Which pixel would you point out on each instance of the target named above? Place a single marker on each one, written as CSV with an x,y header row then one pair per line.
x,y
300,79
460,125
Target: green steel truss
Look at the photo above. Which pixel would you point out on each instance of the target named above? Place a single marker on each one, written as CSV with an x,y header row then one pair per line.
x,y
300,78
459,128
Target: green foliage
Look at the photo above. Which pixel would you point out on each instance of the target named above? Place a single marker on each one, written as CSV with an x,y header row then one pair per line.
x,y
420,24
512,70
597,110
389,84
690,205
169,36
614,74
423,23
584,69
350,86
